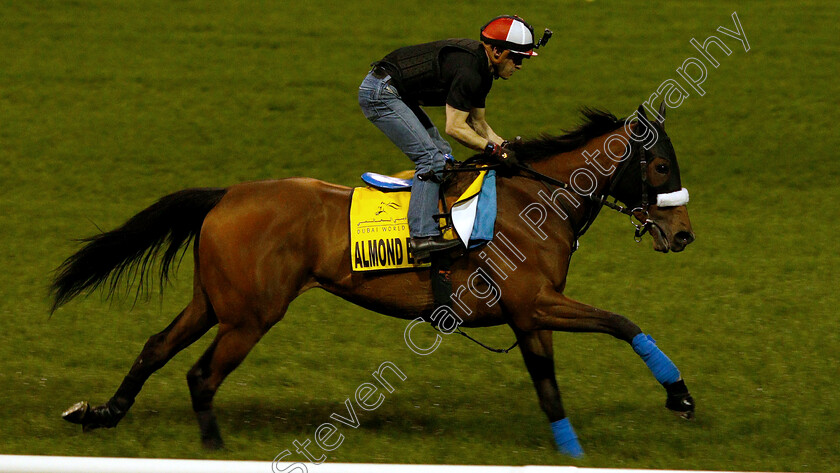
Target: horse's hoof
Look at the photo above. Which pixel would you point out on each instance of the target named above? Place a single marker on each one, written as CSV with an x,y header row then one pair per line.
x,y
681,406
680,401
91,418
76,413
687,415
211,438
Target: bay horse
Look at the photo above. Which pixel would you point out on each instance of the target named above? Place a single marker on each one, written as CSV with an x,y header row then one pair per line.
x,y
259,245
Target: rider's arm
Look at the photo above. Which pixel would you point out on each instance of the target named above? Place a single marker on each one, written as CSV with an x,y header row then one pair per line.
x,y
458,128
479,124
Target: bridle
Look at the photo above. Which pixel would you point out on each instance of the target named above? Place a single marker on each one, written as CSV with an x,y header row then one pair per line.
x,y
640,213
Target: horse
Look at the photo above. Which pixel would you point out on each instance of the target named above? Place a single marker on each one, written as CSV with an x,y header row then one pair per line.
x,y
259,245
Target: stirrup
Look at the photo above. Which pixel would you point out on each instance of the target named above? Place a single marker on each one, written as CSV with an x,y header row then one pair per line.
x,y
422,247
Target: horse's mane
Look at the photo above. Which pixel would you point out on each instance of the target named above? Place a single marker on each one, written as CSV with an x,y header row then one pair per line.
x,y
596,123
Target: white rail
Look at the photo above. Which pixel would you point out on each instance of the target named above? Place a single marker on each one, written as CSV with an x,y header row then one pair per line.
x,y
47,464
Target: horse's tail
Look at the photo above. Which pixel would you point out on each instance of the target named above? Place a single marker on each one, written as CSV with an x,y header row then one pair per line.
x,y
171,222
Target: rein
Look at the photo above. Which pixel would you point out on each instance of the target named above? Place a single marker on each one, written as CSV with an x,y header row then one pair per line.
x,y
494,350
639,213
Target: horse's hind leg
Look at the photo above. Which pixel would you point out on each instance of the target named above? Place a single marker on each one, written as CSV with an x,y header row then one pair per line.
x,y
229,348
243,320
189,326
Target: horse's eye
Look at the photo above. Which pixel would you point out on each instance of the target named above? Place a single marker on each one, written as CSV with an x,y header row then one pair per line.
x,y
662,168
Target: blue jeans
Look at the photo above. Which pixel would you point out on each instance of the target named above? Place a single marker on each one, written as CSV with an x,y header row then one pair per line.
x,y
424,145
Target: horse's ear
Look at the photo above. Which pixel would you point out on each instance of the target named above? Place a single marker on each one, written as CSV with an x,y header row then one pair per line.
x,y
641,115
661,113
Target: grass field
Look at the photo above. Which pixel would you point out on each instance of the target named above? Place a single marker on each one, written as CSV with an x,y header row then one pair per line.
x,y
107,105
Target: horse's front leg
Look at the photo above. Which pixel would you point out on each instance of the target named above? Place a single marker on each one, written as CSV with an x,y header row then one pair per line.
x,y
538,354
554,311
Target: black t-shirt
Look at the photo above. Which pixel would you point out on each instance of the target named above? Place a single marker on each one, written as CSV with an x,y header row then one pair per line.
x,y
439,73
469,81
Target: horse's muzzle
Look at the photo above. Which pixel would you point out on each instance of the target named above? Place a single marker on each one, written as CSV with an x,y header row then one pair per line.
x,y
681,240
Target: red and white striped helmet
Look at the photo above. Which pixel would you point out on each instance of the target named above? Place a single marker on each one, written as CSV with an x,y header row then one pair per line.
x,y
509,32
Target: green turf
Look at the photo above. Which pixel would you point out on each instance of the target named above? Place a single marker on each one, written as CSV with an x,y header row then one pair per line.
x,y
107,105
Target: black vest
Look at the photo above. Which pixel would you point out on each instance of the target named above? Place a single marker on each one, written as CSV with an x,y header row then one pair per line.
x,y
416,69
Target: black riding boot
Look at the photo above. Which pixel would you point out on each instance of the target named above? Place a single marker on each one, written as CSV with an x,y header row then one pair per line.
x,y
423,247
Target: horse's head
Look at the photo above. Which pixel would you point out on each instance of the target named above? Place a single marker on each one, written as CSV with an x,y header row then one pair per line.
x,y
650,185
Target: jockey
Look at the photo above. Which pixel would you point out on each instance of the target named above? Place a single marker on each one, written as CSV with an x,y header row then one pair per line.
x,y
457,73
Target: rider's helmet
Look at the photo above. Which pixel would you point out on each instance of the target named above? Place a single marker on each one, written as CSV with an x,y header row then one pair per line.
x,y
509,32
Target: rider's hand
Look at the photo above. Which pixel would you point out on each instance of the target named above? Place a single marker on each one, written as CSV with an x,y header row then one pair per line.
x,y
502,155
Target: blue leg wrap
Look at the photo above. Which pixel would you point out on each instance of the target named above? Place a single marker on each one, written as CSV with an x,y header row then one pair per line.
x,y
663,369
565,438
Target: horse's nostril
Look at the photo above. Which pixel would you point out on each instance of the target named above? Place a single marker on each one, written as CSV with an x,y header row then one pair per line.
x,y
684,237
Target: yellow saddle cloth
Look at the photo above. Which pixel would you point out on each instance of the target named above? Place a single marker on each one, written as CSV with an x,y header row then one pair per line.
x,y
379,226
379,230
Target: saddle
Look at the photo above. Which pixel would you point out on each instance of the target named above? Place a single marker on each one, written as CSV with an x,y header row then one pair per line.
x,y
379,225
386,183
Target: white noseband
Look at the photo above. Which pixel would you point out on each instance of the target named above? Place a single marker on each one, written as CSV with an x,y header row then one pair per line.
x,y
672,199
